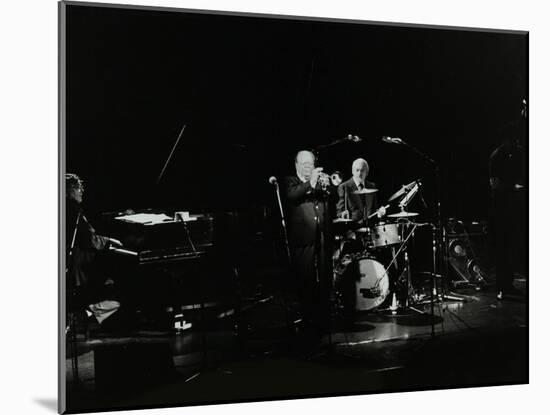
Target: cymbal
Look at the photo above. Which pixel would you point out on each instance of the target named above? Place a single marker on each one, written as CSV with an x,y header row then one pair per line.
x,y
364,191
342,220
403,215
402,192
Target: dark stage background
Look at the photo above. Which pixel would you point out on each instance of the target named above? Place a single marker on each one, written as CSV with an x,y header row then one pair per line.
x,y
254,90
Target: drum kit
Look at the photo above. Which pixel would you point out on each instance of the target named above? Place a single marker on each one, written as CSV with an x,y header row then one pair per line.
x,y
371,263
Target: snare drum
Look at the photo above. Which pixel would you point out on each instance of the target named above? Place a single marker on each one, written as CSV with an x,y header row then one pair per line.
x,y
385,235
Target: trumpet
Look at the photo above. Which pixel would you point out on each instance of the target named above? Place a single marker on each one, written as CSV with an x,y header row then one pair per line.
x,y
326,180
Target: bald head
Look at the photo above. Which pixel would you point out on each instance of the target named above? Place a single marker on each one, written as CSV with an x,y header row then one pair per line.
x,y
360,169
305,162
305,156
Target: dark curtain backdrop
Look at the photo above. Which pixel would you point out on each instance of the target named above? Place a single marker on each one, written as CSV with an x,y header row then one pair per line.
x,y
254,90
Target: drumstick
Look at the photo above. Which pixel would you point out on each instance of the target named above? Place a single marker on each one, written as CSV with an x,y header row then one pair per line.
x,y
375,213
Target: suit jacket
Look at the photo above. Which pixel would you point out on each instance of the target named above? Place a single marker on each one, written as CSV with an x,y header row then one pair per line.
x,y
87,244
357,205
307,211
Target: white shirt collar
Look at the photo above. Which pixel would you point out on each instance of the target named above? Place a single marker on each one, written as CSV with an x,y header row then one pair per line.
x,y
302,178
358,181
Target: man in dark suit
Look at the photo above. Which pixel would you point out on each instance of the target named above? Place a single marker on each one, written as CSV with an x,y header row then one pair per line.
x,y
308,195
357,206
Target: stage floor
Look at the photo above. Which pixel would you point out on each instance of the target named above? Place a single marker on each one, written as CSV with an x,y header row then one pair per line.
x,y
478,342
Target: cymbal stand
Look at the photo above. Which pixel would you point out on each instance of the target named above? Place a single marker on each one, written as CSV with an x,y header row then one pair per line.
x,y
403,249
404,202
439,235
438,293
408,271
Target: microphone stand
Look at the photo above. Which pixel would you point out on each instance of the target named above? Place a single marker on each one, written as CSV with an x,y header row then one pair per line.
x,y
286,308
326,307
320,265
283,222
348,138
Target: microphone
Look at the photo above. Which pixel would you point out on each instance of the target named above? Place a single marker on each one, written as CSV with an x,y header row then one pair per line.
x,y
353,138
391,140
273,181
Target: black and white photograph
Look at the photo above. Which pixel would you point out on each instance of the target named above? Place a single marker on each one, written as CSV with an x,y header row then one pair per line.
x,y
260,207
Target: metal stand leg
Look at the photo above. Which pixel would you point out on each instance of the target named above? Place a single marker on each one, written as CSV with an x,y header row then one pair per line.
x,y
74,349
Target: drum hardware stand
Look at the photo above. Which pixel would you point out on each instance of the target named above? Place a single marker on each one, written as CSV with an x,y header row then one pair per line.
x,y
439,234
409,287
407,270
439,238
441,292
438,292
404,202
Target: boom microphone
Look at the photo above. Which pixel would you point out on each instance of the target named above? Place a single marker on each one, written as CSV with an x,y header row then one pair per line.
x,y
391,140
273,181
353,138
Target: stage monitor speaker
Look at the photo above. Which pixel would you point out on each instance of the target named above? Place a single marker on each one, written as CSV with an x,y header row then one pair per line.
x,y
464,249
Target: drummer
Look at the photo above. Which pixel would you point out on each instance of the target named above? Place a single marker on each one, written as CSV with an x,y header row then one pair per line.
x,y
352,203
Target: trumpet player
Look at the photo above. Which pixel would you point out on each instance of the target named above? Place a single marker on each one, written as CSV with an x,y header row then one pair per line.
x,y
308,195
358,207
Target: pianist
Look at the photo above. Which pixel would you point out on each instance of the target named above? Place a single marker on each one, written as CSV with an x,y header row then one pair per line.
x,y
89,288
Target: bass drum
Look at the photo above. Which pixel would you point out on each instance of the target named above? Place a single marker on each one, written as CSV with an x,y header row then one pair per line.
x,y
371,284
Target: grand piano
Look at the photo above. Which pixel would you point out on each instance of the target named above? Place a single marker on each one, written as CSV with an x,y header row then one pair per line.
x,y
184,264
155,237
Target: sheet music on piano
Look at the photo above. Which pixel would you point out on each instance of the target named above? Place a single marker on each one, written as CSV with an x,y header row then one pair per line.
x,y
158,237
146,218
151,218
